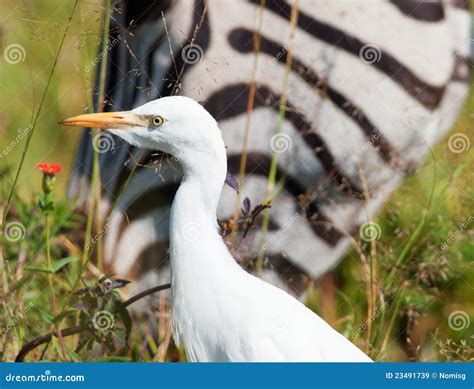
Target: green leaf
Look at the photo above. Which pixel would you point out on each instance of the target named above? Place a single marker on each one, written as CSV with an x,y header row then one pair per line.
x,y
59,264
46,315
72,355
85,341
55,266
63,314
56,345
127,321
112,359
118,338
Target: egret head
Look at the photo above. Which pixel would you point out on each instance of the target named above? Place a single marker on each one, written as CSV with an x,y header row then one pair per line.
x,y
176,125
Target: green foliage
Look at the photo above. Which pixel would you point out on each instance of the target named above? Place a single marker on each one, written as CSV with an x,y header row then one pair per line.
x,y
428,224
56,265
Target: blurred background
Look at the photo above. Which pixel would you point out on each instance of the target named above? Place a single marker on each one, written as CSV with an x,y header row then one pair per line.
x,y
39,26
440,274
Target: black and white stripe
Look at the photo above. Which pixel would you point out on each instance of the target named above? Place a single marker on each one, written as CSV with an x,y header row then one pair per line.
x,y
340,108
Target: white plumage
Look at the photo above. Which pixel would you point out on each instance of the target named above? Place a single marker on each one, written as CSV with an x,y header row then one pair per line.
x,y
220,312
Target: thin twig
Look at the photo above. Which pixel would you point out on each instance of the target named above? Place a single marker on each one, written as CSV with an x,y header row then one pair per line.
x,y
371,268
54,304
30,346
250,106
144,294
197,28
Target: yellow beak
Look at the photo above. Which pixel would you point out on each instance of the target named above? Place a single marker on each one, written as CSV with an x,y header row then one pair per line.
x,y
114,120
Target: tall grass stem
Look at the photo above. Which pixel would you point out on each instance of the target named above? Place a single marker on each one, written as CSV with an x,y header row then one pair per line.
x,y
38,113
281,117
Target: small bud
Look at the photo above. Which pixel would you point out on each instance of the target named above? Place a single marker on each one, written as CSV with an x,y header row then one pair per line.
x,y
48,183
46,204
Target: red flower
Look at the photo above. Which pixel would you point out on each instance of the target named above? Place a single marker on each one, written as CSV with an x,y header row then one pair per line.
x,y
49,169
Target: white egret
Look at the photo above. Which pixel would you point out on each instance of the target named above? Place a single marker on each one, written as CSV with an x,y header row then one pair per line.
x,y
220,312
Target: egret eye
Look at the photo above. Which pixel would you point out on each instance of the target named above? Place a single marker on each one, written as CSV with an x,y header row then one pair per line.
x,y
157,120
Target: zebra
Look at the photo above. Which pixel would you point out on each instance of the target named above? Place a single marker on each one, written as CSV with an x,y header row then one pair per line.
x,y
371,86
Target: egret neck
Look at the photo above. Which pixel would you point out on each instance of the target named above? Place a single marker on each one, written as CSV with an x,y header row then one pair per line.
x,y
199,260
193,214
